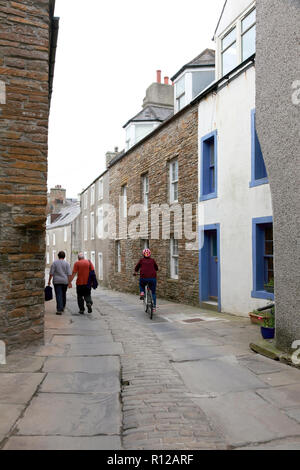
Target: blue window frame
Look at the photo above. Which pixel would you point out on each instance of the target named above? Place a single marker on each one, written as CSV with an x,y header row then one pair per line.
x,y
258,169
209,166
263,252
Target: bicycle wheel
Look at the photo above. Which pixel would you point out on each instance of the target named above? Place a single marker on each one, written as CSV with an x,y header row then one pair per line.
x,y
146,301
150,304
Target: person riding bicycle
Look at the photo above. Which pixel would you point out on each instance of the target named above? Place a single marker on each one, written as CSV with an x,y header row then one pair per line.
x,y
148,269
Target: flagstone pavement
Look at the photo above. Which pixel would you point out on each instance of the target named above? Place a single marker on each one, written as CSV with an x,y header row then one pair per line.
x,y
116,380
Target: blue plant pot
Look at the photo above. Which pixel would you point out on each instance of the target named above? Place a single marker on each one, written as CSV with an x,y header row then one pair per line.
x,y
267,333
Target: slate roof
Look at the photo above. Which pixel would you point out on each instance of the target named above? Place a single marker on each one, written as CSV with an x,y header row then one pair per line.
x,y
66,216
205,59
152,114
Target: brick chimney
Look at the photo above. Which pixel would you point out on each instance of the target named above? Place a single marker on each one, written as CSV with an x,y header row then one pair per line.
x,y
158,76
110,155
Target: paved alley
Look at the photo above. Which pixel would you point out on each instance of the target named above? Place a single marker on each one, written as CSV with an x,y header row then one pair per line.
x,y
115,380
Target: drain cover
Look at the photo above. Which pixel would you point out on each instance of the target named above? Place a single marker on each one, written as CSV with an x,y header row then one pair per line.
x,y
193,320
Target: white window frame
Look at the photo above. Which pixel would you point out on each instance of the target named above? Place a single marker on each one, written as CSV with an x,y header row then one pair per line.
x,y
243,33
174,258
53,255
119,260
93,258
47,239
47,257
85,254
173,181
65,234
85,200
124,200
145,186
100,225
100,189
92,220
53,239
100,266
92,195
239,39
85,228
180,96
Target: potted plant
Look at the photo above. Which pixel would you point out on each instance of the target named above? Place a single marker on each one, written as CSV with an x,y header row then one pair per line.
x,y
268,327
256,317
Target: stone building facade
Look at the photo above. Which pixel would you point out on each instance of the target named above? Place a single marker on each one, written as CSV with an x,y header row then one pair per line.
x,y
27,53
161,169
64,234
95,243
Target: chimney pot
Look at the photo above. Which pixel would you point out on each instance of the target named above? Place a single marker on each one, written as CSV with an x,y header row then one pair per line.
x,y
166,80
158,76
116,149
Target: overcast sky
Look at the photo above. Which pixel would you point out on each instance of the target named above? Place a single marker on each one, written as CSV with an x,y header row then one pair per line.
x,y
107,56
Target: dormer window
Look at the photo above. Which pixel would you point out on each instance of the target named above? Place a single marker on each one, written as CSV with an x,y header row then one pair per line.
x,y
248,35
180,94
237,43
229,51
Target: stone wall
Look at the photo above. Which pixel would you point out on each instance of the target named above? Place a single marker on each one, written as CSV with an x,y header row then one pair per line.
x,y
178,138
278,117
24,68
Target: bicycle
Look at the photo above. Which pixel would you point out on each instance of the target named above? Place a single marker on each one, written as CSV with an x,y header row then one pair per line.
x,y
148,301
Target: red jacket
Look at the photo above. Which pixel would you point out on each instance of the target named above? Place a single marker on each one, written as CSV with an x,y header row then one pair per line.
x,y
147,267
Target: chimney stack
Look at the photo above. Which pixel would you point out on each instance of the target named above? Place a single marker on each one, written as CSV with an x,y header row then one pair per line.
x,y
166,80
158,76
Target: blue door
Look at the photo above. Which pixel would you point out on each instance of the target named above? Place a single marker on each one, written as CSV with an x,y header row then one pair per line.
x,y
212,264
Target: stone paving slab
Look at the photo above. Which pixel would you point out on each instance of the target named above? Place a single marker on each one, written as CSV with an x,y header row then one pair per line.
x,y
193,353
294,413
51,350
287,444
220,375
75,332
99,339
244,418
283,397
9,415
71,415
286,377
261,365
63,443
105,349
18,388
92,365
108,382
20,362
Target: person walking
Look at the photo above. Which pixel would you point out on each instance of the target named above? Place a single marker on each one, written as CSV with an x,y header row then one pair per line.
x,y
61,274
82,269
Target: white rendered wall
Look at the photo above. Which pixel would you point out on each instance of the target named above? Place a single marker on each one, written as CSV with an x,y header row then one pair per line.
x,y
229,112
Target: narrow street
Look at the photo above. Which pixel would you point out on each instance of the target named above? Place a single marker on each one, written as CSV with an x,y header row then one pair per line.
x,y
115,380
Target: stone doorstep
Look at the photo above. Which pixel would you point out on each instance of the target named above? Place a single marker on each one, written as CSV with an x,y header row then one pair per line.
x,y
268,349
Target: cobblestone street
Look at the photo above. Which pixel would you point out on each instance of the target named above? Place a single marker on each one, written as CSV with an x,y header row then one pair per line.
x,y
115,380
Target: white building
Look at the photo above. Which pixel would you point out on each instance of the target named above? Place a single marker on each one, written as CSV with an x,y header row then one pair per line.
x,y
236,258
157,107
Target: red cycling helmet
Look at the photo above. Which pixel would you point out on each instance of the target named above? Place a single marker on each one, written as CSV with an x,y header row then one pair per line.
x,y
147,253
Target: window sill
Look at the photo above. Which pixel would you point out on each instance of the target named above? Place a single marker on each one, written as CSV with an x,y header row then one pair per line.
x,y
255,183
173,279
208,197
262,294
